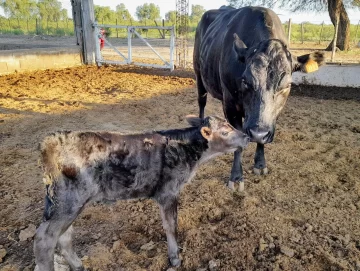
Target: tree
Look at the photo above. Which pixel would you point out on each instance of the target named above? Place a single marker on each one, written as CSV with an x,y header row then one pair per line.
x,y
122,12
196,12
103,13
49,9
336,9
170,16
148,12
19,9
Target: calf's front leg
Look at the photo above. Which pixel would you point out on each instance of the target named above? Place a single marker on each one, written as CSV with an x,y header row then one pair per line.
x,y
168,212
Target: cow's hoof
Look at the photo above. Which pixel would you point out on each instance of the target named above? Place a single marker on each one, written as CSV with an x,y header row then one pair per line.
x,y
175,262
231,185
241,186
260,171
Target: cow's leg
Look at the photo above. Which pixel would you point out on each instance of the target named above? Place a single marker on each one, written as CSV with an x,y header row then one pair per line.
x,y
202,95
233,115
237,172
260,163
168,212
48,234
67,250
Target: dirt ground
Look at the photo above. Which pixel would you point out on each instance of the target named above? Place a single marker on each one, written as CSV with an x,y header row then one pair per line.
x,y
304,215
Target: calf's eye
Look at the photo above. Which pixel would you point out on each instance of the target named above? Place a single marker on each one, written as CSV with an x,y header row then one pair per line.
x,y
224,133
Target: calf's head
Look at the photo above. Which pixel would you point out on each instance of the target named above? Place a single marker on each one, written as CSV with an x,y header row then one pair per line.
x,y
265,83
221,136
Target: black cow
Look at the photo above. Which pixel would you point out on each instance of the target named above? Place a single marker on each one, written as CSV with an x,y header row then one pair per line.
x,y
82,167
241,57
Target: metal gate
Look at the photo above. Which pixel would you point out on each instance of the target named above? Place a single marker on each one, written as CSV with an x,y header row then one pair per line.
x,y
127,58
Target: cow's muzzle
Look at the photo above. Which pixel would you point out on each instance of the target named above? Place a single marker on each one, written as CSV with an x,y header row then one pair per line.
x,y
261,136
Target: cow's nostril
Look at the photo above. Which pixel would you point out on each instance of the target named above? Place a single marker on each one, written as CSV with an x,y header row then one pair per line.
x,y
260,136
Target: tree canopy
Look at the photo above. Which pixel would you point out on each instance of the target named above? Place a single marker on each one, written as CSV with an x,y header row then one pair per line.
x,y
103,13
196,12
25,9
170,16
148,12
122,12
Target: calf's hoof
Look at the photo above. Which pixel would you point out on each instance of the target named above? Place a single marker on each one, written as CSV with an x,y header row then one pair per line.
x,y
260,171
175,262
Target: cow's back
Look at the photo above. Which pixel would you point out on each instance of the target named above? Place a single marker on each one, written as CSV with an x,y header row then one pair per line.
x,y
214,56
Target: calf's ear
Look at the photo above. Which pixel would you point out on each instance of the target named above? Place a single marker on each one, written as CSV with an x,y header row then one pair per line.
x,y
240,48
206,132
309,62
193,120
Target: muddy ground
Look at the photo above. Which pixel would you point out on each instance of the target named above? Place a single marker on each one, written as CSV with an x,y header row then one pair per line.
x,y
304,215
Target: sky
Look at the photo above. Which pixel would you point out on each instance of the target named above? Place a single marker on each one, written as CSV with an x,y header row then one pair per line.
x,y
165,6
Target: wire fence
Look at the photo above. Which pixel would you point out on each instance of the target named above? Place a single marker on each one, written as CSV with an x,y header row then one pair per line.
x,y
36,27
319,32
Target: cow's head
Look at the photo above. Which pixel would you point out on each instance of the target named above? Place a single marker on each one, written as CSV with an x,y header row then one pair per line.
x,y
221,136
265,84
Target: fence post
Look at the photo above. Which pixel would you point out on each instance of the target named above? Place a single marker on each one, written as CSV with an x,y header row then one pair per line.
x,y
117,29
356,33
302,33
335,39
47,25
321,30
87,20
163,24
289,32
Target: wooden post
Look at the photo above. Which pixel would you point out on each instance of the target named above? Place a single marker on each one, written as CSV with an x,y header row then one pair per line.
x,y
289,32
117,29
47,25
356,32
76,10
335,39
88,19
302,33
321,30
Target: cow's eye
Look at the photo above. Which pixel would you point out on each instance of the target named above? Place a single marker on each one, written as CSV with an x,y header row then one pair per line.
x,y
224,133
245,84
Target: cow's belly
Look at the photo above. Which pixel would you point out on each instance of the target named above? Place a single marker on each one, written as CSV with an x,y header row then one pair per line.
x,y
213,88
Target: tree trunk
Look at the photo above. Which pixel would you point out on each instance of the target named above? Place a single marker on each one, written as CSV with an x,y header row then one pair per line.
x,y
336,8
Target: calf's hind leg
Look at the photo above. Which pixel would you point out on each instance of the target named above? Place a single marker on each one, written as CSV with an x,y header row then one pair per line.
x,y
168,212
67,250
56,230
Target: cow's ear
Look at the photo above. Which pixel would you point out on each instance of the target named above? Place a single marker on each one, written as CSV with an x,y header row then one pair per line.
x,y
206,132
240,48
193,120
309,62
